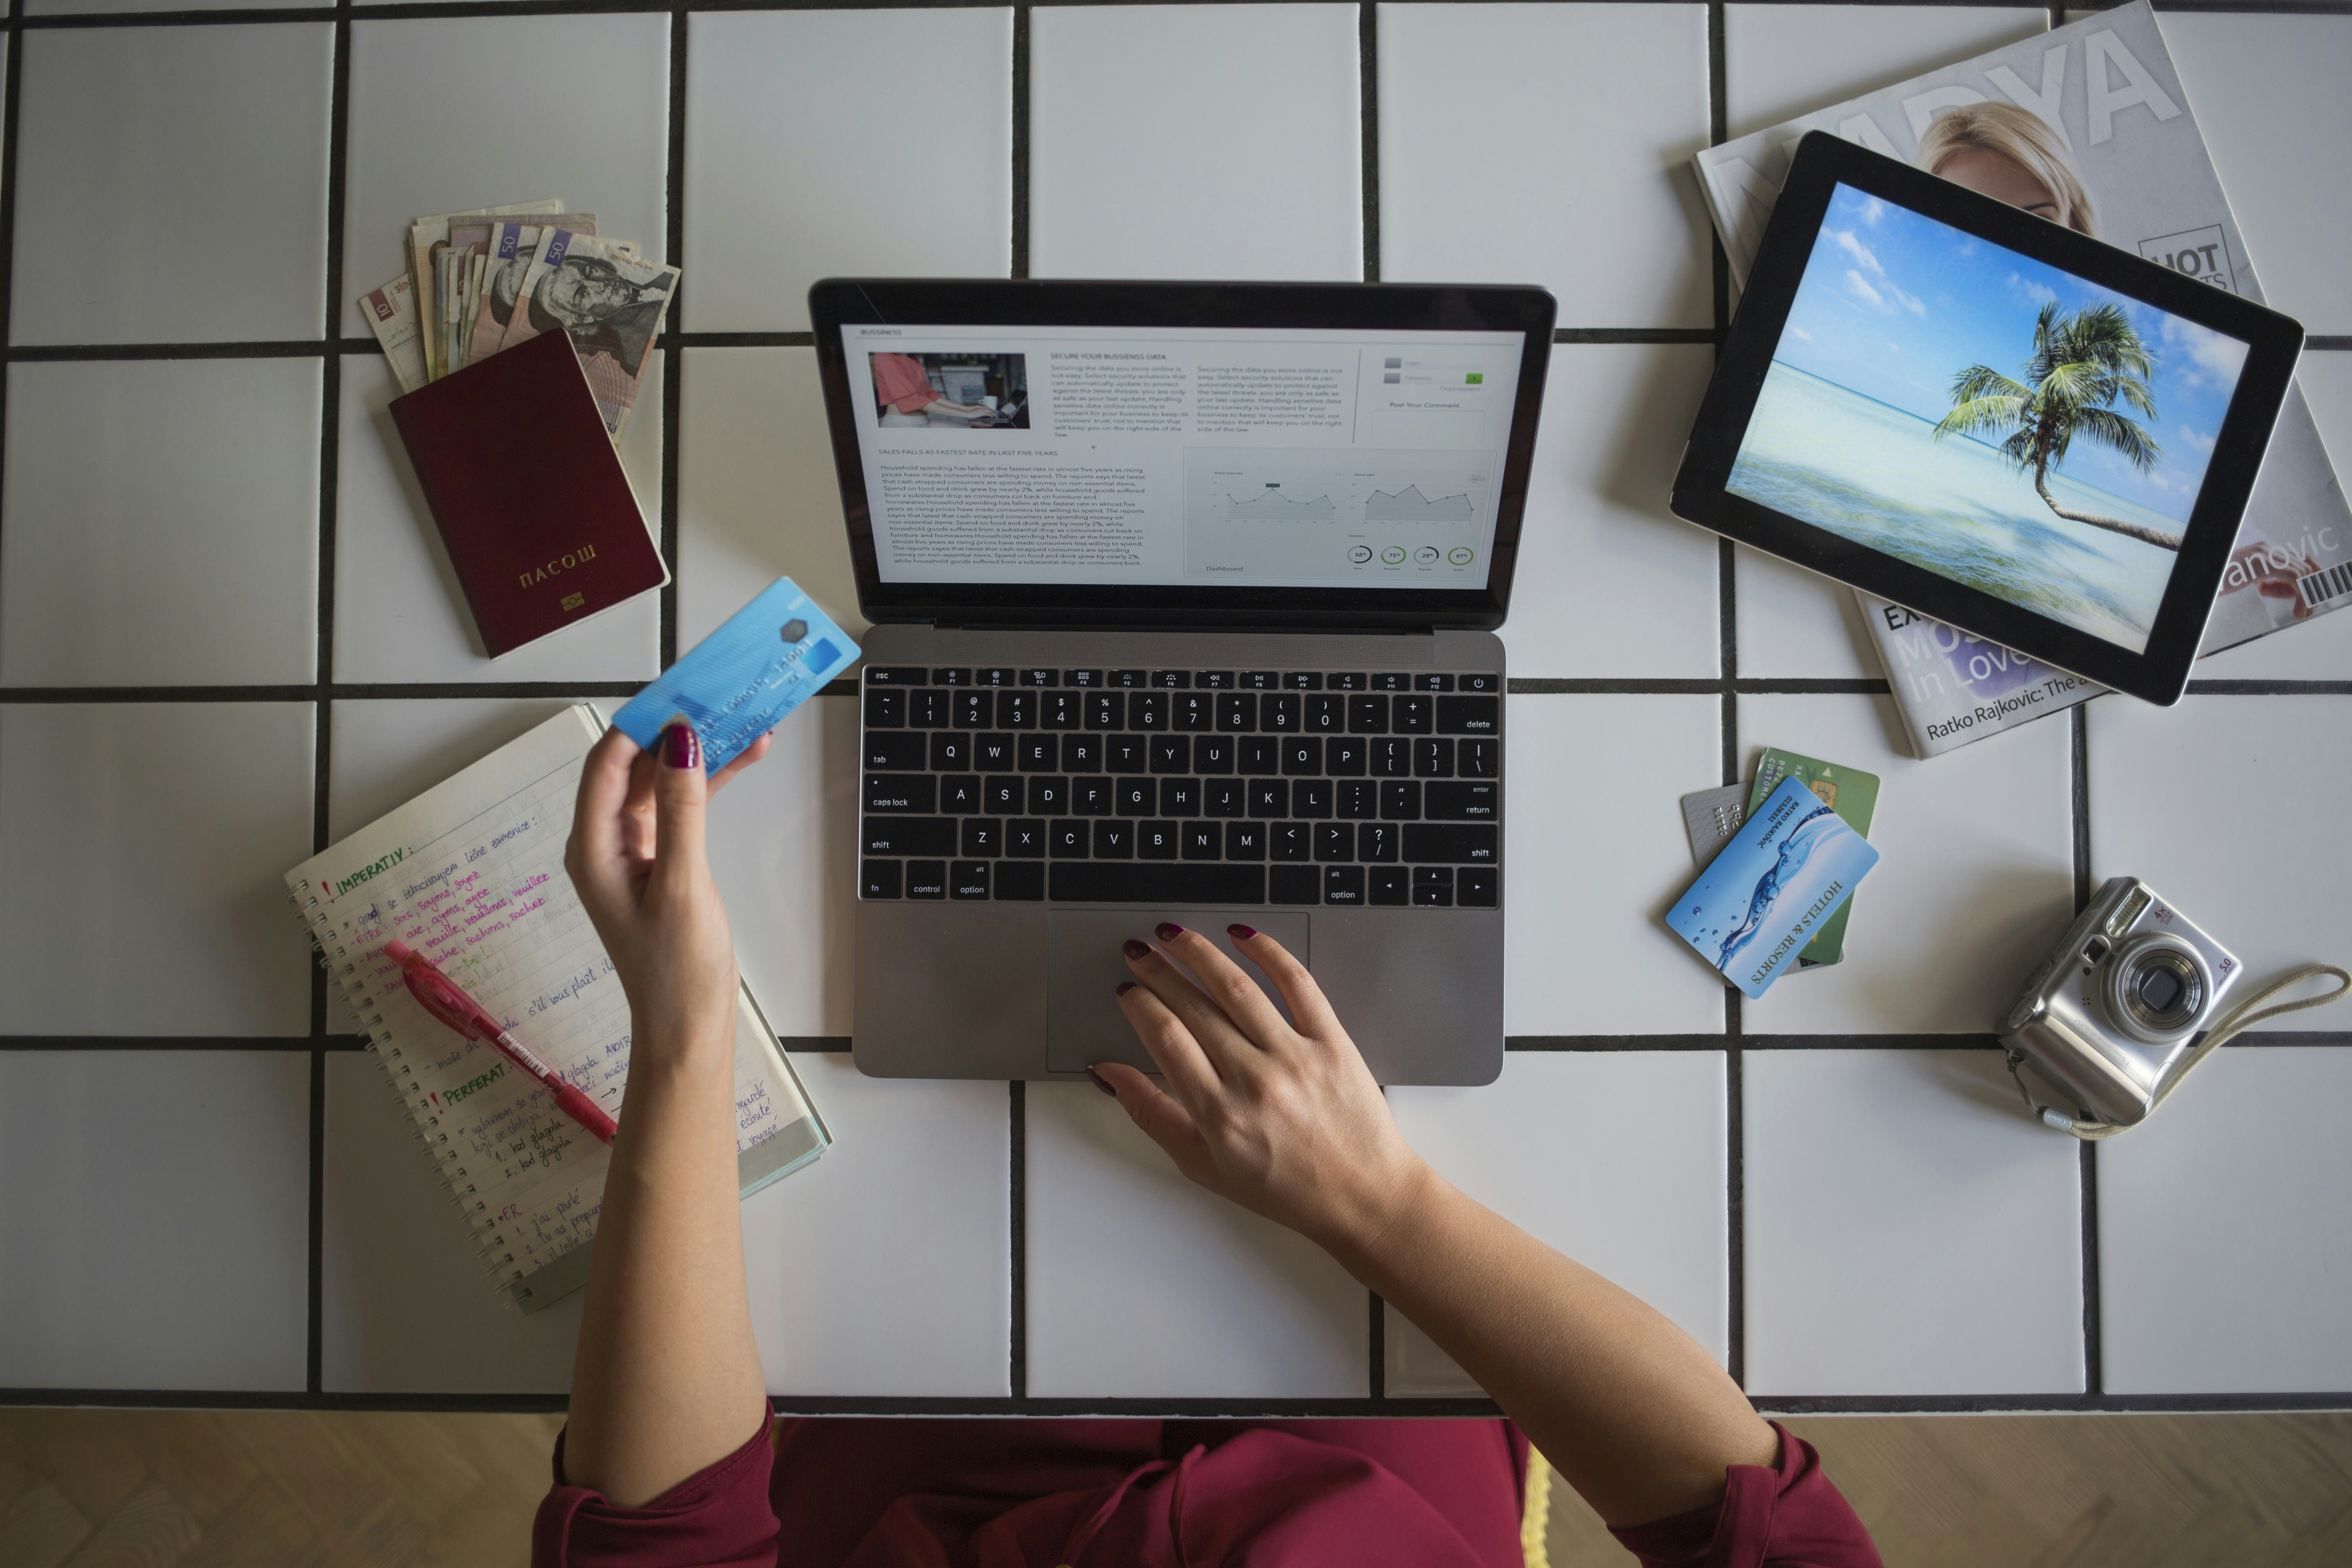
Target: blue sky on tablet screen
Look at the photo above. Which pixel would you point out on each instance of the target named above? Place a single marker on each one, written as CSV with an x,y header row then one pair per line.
x,y
1894,304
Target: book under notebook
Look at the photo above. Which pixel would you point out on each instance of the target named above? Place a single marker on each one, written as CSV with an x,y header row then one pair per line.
x,y
470,873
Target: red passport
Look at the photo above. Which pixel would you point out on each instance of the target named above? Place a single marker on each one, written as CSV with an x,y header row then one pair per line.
x,y
528,493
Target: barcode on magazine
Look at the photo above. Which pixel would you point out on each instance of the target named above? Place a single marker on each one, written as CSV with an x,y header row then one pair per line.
x,y
2319,588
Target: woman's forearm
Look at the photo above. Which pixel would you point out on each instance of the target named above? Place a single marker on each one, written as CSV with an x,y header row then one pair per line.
x,y
1627,1407
667,1378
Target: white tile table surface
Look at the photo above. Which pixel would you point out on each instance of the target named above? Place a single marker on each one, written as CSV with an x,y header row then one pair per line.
x,y
227,634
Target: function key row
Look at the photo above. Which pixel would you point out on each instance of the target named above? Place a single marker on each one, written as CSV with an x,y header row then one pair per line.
x,y
998,677
1224,712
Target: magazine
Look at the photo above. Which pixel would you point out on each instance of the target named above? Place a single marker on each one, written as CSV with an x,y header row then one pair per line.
x,y
1953,686
2091,117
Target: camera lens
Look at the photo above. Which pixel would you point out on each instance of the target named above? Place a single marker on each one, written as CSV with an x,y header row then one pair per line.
x,y
2163,989
2159,989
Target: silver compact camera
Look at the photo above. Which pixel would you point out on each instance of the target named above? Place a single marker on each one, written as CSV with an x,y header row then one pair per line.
x,y
2110,1017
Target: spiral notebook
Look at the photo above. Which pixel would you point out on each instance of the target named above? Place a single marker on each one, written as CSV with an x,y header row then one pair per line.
x,y
470,873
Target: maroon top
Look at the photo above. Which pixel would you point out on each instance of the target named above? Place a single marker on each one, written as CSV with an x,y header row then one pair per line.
x,y
878,1493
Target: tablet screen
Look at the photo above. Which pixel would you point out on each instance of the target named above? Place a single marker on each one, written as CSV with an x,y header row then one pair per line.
x,y
1988,418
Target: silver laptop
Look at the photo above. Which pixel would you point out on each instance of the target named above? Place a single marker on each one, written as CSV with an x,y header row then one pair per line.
x,y
1183,598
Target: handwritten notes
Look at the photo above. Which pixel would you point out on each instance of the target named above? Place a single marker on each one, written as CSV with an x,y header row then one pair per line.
x,y
472,875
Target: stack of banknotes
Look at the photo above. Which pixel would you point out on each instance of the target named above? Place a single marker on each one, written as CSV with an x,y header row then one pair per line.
x,y
489,279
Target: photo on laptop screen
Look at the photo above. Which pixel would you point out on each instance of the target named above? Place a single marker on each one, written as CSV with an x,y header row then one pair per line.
x,y
1202,456
1988,418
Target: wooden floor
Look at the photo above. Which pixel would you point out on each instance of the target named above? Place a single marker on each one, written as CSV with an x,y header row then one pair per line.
x,y
81,1489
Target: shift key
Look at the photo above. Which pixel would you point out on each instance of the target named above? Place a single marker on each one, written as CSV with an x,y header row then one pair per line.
x,y
928,835
1441,843
902,794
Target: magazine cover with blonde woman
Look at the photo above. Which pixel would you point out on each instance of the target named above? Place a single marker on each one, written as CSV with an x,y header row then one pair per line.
x,y
2086,125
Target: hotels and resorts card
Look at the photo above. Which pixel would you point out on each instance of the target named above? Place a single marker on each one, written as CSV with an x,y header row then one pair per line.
x,y
1851,794
1764,896
734,685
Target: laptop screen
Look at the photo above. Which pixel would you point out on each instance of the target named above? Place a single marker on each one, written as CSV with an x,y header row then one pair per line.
x,y
1180,455
1305,455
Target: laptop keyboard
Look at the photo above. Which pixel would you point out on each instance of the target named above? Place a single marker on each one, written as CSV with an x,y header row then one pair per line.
x,y
1220,787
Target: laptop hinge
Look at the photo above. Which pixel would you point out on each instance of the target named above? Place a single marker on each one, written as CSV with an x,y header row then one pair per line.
x,y
947,626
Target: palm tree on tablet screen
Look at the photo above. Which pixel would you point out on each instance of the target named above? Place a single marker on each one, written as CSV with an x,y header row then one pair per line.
x,y
2083,361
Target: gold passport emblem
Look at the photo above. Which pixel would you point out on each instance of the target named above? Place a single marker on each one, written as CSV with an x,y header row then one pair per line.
x,y
574,601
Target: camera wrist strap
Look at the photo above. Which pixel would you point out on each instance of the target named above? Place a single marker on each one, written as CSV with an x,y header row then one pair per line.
x,y
2243,1017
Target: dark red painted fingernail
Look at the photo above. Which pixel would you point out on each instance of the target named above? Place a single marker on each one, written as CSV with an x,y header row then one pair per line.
x,y
1241,933
1135,949
681,748
1102,1083
1168,931
1123,988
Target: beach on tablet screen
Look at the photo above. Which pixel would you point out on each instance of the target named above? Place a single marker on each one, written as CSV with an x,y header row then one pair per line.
x,y
1988,418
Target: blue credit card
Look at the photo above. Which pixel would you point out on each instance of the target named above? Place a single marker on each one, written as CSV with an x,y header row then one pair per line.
x,y
1790,867
770,657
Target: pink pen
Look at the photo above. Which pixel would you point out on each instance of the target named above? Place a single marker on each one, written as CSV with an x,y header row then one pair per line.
x,y
439,996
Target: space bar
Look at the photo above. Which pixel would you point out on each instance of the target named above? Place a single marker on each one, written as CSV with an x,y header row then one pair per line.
x,y
1102,882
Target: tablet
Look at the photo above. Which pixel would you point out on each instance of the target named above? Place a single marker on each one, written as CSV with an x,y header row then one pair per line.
x,y
1973,412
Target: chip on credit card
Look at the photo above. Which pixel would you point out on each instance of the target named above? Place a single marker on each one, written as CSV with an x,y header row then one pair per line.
x,y
771,655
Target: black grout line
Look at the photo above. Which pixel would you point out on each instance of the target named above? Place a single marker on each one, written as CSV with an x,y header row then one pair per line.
x,y
2270,689
2094,1355
1368,93
2078,759
276,348
1377,1342
672,339
1635,335
311,1042
330,403
1728,686
315,1339
1536,686
2322,1040
1016,1362
1017,265
739,340
673,401
2079,802
431,10
13,77
348,692
1267,1409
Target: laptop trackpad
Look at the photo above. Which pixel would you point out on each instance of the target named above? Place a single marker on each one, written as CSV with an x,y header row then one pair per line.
x,y
1084,1024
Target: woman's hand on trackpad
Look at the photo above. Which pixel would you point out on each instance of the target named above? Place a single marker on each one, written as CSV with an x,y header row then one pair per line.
x,y
1285,1122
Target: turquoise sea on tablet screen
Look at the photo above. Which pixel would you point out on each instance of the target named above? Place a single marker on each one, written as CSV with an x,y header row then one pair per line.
x,y
1957,507
1901,323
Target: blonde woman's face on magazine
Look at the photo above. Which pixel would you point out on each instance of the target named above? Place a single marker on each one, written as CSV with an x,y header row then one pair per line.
x,y
1990,174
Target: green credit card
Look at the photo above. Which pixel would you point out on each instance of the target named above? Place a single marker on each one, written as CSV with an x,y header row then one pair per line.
x,y
1849,791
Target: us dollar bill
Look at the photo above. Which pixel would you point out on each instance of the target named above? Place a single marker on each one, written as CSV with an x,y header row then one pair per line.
x,y
392,311
611,303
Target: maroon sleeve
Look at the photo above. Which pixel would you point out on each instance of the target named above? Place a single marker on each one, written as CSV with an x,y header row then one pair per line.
x,y
718,1518
1787,1517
